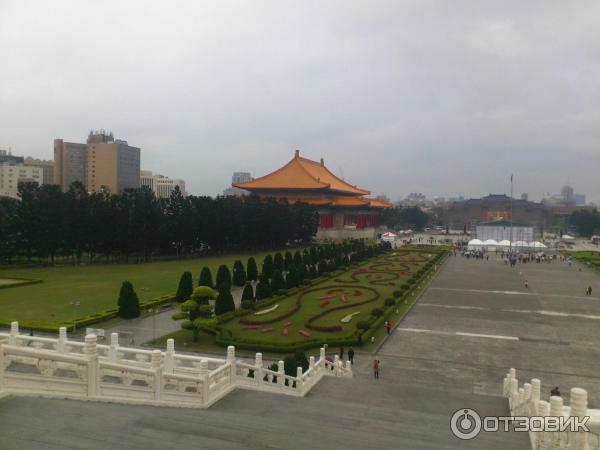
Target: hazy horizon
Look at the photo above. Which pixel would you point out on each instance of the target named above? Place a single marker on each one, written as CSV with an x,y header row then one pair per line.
x,y
443,98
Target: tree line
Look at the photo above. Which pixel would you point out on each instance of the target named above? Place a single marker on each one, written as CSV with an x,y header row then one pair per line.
x,y
586,222
47,223
404,216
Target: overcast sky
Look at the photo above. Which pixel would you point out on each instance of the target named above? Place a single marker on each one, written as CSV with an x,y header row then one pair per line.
x,y
442,97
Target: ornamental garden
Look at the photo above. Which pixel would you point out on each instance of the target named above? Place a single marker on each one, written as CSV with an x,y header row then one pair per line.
x,y
335,294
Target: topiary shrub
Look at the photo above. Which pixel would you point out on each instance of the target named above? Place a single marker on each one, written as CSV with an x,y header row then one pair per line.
x,y
278,262
202,294
248,293
247,304
224,302
267,267
389,302
239,274
205,278
263,288
223,277
397,294
377,312
251,270
277,281
129,304
288,261
185,288
363,325
405,287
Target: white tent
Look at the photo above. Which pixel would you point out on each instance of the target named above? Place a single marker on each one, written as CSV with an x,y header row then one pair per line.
x,y
537,244
566,237
504,243
475,244
388,237
490,242
520,244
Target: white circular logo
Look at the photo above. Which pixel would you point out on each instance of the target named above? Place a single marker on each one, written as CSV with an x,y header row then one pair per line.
x,y
465,424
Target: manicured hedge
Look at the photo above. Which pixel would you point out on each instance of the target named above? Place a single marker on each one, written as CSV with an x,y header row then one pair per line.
x,y
24,282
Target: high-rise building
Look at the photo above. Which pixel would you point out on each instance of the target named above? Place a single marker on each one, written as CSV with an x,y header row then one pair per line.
x,y
238,177
69,163
47,168
13,174
161,185
103,163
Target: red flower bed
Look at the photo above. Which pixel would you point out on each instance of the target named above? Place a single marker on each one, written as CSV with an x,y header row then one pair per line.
x,y
324,304
285,332
288,324
266,330
304,333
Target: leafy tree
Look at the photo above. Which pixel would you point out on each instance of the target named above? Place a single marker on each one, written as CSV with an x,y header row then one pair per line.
x,y
267,267
223,277
277,282
248,292
202,294
278,262
263,289
129,304
185,288
205,278
239,274
224,302
252,269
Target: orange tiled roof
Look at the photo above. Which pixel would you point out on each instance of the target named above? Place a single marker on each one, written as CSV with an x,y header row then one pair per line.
x,y
340,201
376,203
302,173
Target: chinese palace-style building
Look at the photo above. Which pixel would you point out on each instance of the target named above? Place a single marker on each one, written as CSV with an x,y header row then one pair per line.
x,y
344,211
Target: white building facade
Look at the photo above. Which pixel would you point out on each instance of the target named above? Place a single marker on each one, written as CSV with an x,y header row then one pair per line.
x,y
500,230
161,185
12,174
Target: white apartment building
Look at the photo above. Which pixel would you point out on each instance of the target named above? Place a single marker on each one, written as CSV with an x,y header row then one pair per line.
x,y
12,174
161,186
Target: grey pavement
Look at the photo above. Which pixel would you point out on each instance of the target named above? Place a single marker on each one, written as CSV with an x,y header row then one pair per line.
x,y
451,352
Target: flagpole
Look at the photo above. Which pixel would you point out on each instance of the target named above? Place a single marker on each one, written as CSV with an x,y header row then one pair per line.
x,y
511,214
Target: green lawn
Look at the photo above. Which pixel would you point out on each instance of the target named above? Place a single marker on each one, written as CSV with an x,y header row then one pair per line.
x,y
589,258
96,287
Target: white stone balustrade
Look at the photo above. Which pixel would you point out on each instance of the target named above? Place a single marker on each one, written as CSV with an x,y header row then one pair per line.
x,y
525,401
31,365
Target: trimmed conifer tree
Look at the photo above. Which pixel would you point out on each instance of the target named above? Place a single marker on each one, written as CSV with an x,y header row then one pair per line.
x,y
224,302
267,267
239,274
292,279
248,292
129,304
297,258
185,288
277,281
263,288
223,277
278,263
205,278
252,270
306,258
288,261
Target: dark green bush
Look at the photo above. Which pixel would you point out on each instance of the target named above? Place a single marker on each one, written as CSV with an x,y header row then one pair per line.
x,y
390,302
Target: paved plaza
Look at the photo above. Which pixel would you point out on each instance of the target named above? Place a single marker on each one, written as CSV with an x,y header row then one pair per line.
x,y
473,323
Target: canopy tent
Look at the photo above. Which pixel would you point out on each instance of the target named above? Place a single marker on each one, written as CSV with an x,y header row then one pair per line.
x,y
504,243
491,242
537,244
520,244
566,237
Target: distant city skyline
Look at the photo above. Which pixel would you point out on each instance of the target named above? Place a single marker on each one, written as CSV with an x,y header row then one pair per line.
x,y
435,97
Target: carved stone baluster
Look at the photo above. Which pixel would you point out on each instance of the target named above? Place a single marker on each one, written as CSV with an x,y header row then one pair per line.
x,y
205,381
170,356
258,371
61,344
158,379
280,373
14,332
113,351
91,355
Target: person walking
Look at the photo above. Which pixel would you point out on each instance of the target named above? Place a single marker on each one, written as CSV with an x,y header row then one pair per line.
x,y
526,284
351,355
376,369
342,352
589,290
388,326
555,392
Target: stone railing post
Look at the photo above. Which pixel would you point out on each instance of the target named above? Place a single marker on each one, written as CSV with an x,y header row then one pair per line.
x,y
579,402
311,362
536,386
258,371
299,382
91,355
541,437
556,410
231,361
204,377
113,350
348,367
526,399
61,344
336,365
158,376
14,332
170,356
322,354
280,373
513,395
